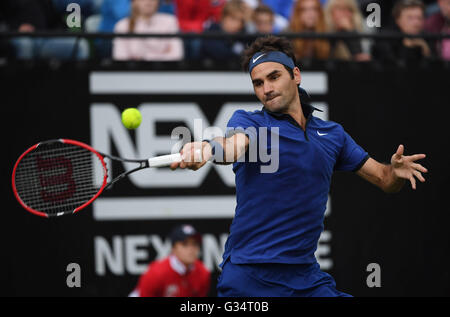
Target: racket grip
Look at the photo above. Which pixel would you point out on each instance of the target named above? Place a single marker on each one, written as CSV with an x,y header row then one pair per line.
x,y
164,160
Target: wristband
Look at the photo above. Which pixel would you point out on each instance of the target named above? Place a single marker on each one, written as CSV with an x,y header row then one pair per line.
x,y
216,151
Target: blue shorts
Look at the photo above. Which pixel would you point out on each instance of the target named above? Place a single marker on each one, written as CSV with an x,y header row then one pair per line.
x,y
275,280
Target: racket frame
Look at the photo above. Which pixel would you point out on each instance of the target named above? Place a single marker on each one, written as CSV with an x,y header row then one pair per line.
x,y
66,141
101,156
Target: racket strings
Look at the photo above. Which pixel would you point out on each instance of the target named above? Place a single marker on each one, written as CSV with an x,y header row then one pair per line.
x,y
57,177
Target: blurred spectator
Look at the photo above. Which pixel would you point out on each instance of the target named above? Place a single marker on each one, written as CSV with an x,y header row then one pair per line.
x,y
409,17
167,6
192,16
263,20
232,22
40,15
216,8
282,10
344,16
281,7
144,18
308,16
386,8
247,8
440,23
112,11
181,274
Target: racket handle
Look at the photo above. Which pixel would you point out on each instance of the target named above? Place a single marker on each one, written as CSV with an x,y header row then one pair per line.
x,y
164,160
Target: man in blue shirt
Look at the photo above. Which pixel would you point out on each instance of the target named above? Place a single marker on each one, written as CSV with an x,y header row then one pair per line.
x,y
281,202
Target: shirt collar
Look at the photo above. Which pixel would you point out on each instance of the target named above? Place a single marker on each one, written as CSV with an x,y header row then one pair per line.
x,y
306,108
178,266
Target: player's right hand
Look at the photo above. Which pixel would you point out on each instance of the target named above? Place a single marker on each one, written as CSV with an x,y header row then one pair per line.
x,y
193,156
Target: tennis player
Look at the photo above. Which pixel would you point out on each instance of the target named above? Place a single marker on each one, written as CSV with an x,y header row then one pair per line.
x,y
279,215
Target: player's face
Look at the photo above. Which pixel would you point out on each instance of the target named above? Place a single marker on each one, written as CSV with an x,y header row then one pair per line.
x,y
187,251
274,86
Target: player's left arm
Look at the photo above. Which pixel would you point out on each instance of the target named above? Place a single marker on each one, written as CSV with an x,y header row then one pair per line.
x,y
391,177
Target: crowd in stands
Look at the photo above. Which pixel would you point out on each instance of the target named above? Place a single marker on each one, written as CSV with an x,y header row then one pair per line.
x,y
412,17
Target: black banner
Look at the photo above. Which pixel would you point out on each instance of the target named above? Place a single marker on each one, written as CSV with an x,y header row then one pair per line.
x,y
404,236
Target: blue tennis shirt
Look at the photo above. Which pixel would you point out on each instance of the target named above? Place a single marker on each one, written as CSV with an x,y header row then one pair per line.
x,y
279,216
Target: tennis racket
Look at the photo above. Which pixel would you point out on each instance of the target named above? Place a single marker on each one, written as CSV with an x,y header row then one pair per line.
x,y
59,177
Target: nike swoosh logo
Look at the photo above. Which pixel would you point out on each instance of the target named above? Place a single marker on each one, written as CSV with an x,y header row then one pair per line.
x,y
255,59
321,134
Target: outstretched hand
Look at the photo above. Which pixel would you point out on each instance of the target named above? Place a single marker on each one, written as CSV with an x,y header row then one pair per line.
x,y
405,167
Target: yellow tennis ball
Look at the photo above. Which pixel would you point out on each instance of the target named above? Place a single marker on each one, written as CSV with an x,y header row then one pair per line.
x,y
131,118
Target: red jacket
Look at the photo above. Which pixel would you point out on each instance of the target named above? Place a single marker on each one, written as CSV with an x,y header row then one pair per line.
x,y
170,278
192,14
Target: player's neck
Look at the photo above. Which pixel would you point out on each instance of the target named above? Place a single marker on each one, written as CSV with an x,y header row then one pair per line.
x,y
296,112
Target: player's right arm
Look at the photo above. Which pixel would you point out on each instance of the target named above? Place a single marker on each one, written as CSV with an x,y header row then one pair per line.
x,y
196,154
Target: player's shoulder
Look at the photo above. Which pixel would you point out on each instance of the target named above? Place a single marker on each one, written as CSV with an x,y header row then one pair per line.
x,y
246,119
328,124
254,113
248,116
334,130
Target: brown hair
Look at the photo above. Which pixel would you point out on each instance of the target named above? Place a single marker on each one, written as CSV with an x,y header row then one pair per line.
x,y
268,43
357,18
232,7
132,17
405,4
262,8
321,47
